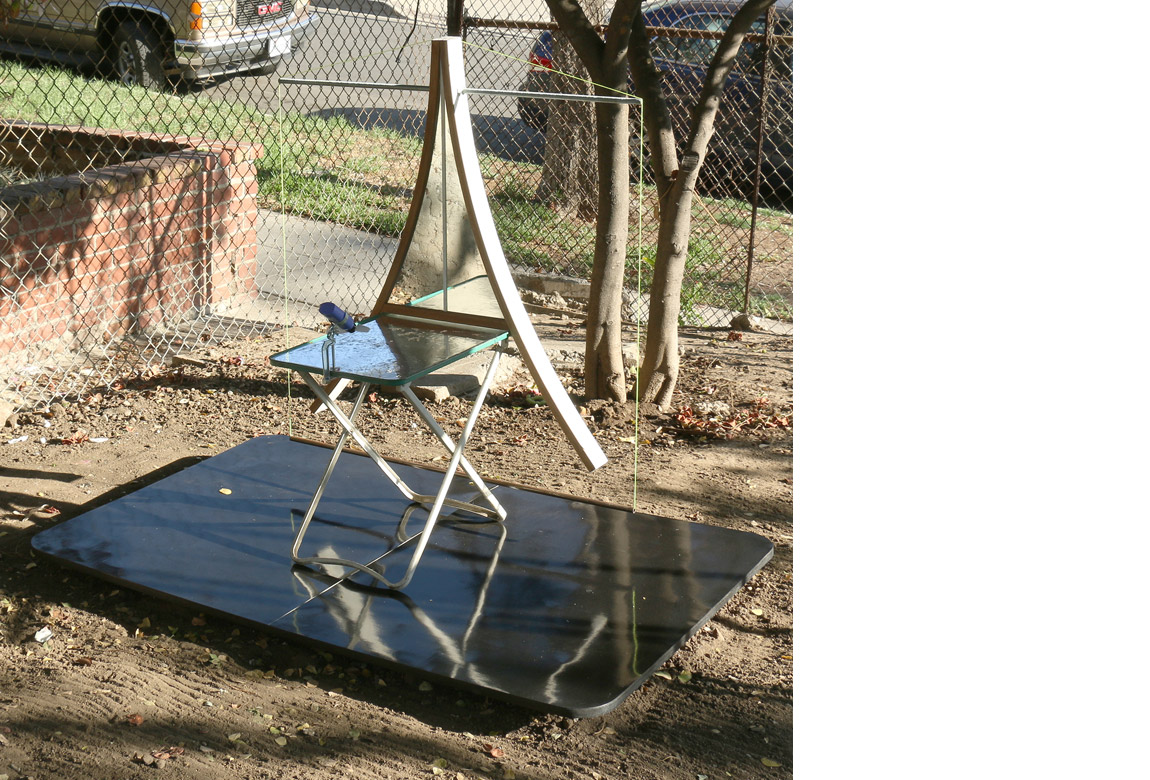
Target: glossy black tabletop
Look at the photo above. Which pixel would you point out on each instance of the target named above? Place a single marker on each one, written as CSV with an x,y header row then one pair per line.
x,y
566,606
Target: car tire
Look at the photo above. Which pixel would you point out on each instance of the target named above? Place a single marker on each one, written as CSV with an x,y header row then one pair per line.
x,y
267,69
137,55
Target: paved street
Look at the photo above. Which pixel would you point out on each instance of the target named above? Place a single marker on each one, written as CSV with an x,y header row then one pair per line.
x,y
353,45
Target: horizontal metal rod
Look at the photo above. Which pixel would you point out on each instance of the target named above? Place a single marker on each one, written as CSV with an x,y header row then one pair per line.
x,y
631,101
354,84
663,32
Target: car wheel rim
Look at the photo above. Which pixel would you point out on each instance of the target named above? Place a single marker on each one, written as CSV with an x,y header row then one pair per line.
x,y
125,62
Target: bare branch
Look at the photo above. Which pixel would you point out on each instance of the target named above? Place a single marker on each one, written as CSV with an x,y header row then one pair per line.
x,y
703,117
618,35
656,116
572,20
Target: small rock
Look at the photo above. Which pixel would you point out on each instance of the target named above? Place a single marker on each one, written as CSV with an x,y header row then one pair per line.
x,y
748,322
187,360
713,409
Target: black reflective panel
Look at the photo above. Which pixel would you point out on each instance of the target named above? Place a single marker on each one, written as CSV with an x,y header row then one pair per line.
x,y
565,607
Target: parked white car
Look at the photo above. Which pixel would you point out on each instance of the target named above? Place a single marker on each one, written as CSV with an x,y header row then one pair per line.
x,y
155,42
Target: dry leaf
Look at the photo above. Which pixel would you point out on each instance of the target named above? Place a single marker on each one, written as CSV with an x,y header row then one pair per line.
x,y
225,491
136,719
281,741
769,762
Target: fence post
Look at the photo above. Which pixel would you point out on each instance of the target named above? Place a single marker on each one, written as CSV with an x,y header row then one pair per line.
x,y
455,18
757,178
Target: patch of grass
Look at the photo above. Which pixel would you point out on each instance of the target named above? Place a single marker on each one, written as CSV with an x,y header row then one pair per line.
x,y
332,200
772,306
737,214
530,229
12,176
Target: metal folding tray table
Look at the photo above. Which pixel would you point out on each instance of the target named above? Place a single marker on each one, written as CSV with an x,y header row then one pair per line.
x,y
394,350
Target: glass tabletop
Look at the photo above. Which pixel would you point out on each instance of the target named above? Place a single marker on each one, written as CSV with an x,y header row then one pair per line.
x,y
391,349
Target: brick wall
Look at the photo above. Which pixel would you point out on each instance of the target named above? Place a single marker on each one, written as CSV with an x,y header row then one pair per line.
x,y
166,229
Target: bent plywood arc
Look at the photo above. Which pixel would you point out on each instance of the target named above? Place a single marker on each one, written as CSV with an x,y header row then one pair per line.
x,y
448,53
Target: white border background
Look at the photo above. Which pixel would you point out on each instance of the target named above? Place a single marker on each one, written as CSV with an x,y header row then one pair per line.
x,y
972,346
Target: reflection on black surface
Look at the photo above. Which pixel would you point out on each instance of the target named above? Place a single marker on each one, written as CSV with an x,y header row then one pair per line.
x,y
565,607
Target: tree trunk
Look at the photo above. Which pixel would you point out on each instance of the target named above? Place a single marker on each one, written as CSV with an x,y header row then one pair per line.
x,y
660,370
603,370
569,177
606,61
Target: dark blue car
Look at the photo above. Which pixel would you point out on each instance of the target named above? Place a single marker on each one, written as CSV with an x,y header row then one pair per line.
x,y
683,62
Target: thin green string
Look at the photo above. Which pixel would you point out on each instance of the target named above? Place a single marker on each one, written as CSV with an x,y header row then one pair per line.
x,y
638,316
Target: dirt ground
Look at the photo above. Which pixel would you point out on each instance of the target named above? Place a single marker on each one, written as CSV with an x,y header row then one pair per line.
x,y
129,686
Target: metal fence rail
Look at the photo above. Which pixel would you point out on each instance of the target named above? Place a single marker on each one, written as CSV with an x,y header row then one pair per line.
x,y
152,197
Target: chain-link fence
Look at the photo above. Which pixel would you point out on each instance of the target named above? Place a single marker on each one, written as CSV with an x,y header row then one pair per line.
x,y
177,172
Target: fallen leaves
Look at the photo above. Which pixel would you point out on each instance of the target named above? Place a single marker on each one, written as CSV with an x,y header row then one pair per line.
x,y
760,418
683,676
521,396
135,719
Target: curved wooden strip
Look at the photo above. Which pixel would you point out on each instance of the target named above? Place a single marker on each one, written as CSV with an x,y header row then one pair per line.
x,y
448,52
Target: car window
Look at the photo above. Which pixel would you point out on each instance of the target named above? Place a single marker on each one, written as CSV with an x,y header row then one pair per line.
x,y
695,51
692,51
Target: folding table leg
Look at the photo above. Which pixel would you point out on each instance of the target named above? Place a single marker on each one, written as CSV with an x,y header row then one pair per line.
x,y
452,465
450,445
347,422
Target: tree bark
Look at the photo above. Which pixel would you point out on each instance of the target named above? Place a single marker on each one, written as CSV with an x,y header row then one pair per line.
x,y
606,61
603,370
676,187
